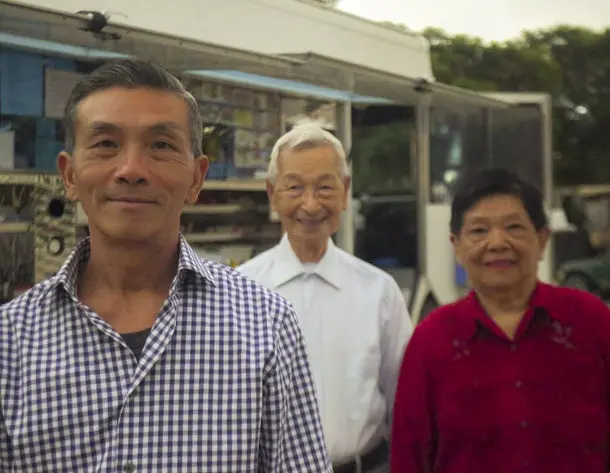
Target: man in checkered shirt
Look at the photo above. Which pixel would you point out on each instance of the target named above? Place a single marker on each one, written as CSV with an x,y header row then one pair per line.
x,y
138,355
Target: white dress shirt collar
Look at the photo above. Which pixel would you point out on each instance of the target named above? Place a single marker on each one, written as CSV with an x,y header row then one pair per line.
x,y
287,265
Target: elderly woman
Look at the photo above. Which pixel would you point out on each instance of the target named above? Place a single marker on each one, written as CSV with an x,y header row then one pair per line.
x,y
515,376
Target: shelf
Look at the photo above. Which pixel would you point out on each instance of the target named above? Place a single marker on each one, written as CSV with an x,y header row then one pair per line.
x,y
200,209
212,209
245,185
15,227
22,177
33,178
213,237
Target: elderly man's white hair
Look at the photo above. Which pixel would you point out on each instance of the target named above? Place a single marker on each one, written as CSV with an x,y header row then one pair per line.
x,y
303,137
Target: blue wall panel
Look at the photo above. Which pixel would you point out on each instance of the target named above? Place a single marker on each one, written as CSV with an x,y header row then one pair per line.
x,y
21,83
47,145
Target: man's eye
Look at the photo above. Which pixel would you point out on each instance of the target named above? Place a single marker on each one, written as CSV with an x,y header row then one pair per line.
x,y
163,145
104,144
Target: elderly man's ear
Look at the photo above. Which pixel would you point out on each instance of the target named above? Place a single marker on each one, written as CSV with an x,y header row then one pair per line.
x,y
347,183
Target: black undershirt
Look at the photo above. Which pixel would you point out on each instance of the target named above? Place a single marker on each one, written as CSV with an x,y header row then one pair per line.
x,y
136,341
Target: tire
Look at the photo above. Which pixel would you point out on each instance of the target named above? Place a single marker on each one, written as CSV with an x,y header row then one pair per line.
x,y
429,306
580,281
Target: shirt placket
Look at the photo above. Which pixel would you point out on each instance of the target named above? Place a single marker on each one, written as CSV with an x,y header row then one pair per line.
x,y
130,434
312,285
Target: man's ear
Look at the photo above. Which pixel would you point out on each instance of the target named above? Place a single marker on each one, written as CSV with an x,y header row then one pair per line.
x,y
202,163
270,194
347,182
66,171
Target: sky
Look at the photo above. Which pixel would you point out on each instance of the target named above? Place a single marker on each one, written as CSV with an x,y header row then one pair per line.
x,y
492,20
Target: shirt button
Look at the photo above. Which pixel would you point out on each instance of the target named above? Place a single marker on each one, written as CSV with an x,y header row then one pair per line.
x,y
129,467
518,384
525,424
526,464
513,347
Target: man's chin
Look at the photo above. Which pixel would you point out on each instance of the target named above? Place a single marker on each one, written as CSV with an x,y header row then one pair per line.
x,y
125,232
312,236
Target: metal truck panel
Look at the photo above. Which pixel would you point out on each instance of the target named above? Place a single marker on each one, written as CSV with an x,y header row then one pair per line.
x,y
270,27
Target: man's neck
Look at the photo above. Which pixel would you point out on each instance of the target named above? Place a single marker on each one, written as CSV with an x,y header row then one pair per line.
x,y
124,268
309,251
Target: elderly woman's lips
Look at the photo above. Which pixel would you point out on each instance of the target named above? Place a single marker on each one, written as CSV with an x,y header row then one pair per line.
x,y
500,264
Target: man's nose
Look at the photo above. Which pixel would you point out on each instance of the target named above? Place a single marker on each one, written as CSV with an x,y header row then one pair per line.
x,y
133,165
310,202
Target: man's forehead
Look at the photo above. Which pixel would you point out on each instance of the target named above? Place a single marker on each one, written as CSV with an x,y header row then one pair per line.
x,y
101,126
129,104
111,111
322,159
317,176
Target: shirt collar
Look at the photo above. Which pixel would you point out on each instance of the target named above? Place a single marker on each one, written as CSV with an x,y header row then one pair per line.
x,y
287,265
472,313
67,276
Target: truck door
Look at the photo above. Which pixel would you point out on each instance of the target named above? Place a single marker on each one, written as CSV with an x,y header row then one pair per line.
x,y
516,136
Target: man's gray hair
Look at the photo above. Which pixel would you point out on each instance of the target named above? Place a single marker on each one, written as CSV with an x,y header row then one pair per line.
x,y
131,74
304,137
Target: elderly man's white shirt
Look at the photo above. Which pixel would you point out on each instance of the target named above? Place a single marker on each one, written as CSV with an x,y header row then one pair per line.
x,y
356,326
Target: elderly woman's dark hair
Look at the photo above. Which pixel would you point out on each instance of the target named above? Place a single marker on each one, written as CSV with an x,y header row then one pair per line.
x,y
496,181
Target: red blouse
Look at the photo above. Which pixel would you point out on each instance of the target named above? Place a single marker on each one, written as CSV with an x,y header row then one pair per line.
x,y
470,400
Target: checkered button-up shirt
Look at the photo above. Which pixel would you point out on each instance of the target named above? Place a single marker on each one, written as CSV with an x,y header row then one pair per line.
x,y
223,384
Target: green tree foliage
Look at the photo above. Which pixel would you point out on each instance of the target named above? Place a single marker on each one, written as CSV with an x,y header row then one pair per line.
x,y
570,63
381,157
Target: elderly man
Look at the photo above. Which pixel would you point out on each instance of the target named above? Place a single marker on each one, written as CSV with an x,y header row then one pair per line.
x,y
353,315
138,355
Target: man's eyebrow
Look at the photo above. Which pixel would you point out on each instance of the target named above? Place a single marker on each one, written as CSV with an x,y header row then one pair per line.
x,y
292,175
327,176
166,127
323,177
99,127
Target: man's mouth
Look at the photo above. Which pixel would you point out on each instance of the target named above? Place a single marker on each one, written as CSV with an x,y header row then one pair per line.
x,y
132,204
310,222
132,200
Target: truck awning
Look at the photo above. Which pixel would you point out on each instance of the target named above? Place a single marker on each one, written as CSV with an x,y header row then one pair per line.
x,y
372,83
59,33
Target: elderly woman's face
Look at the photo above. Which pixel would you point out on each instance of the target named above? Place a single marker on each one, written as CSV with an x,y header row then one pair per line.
x,y
498,244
